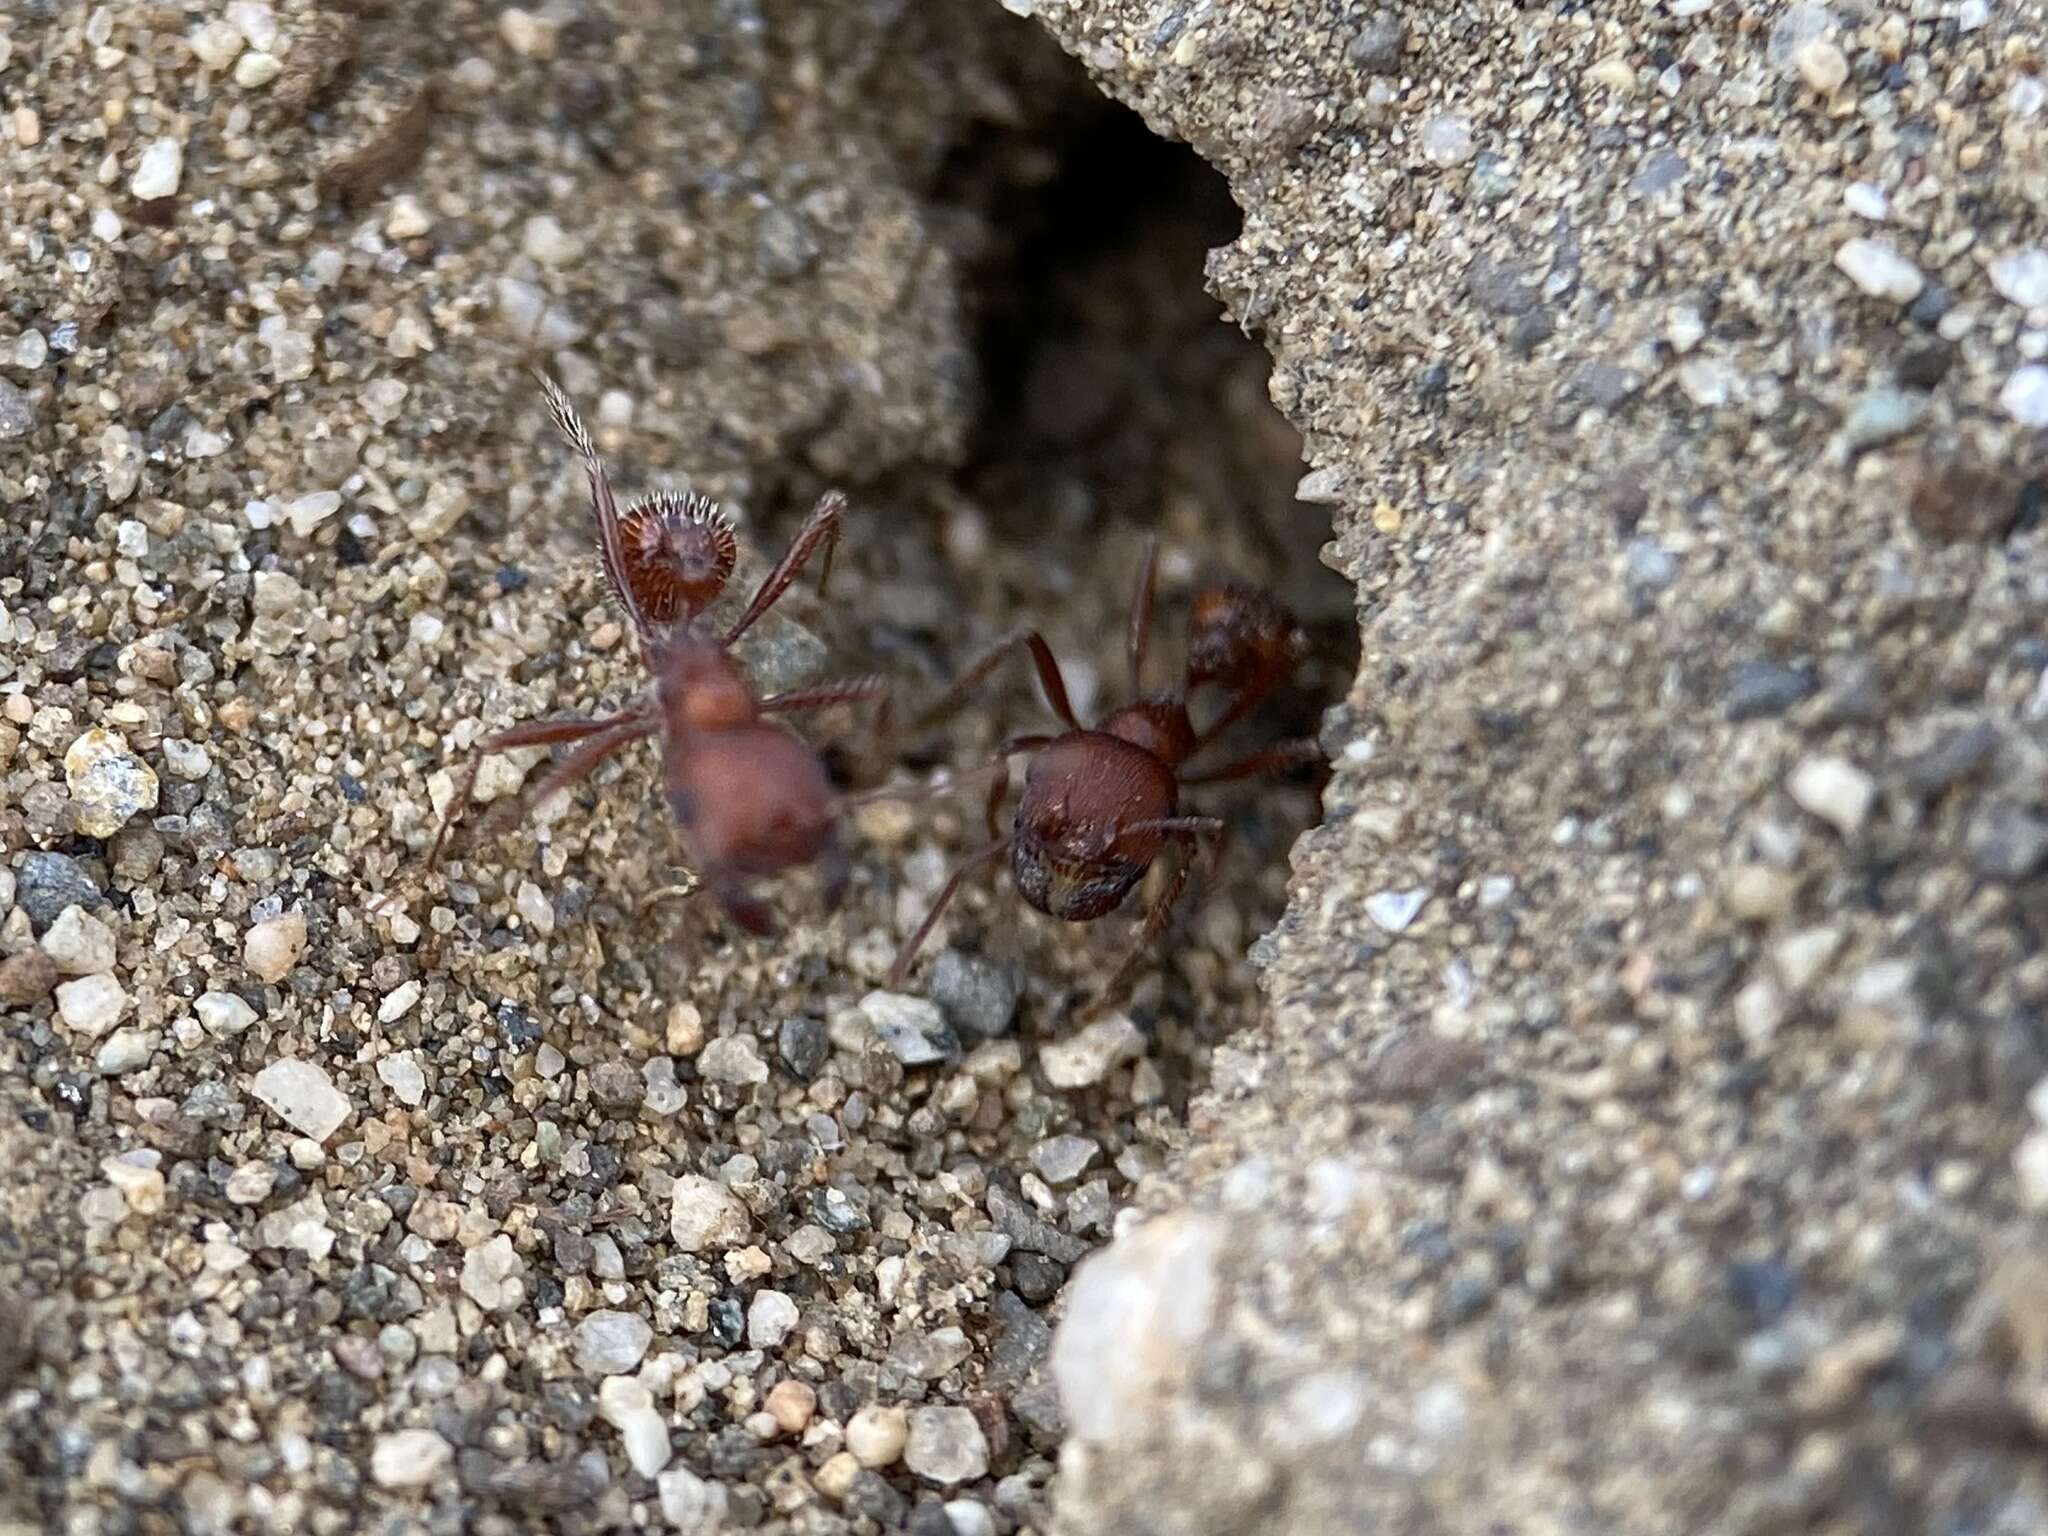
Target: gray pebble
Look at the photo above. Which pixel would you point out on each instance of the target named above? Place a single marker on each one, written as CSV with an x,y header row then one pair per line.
x,y
732,1059
1880,415
616,1085
1648,566
946,1446
2007,842
1607,386
17,415
913,1029
1377,48
977,996
1956,757
803,1045
1762,690
47,883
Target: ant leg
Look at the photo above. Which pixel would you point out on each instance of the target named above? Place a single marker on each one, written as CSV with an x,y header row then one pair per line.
x,y
1141,612
961,871
845,690
535,733
576,765
1256,765
1188,830
822,528
1041,655
932,788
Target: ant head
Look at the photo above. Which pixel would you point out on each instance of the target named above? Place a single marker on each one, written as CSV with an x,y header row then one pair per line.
x,y
1238,636
678,550
1077,854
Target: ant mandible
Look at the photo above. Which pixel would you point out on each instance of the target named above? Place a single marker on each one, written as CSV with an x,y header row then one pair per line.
x,y
749,798
1101,804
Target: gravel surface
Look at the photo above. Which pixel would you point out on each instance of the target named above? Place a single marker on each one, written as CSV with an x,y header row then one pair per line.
x,y
342,1196
1645,1132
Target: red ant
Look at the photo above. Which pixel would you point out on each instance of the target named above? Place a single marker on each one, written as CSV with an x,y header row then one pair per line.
x,y
1101,804
749,798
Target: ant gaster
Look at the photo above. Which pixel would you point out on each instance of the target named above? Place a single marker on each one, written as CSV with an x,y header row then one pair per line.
x,y
1100,804
749,798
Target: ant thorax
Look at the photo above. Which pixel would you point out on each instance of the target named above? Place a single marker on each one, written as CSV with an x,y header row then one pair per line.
x,y
1158,726
697,683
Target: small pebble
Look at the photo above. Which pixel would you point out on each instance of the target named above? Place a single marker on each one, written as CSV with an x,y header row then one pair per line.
x,y
2021,277
491,1274
1447,139
611,1343
977,996
223,1013
302,1095
1879,271
26,977
272,947
140,1182
1837,792
1867,201
17,415
628,1406
402,1075
945,1446
911,1027
186,760
79,943
803,1045
1880,415
690,1504
2030,1169
1822,65
410,1458
771,1317
255,70
733,1059
158,172
528,35
876,1435
108,783
970,1517
704,1215
125,1050
1092,1053
91,1005
1062,1159
791,1404
1395,910
2025,396
47,883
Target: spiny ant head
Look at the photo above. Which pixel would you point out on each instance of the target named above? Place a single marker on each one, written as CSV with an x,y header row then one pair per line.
x,y
1240,635
678,550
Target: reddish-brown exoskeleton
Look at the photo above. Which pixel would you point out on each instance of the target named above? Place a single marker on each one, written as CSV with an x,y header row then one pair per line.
x,y
749,798
1102,803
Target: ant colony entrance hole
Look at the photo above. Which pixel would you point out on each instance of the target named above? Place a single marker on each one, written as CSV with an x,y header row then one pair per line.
x,y
1116,403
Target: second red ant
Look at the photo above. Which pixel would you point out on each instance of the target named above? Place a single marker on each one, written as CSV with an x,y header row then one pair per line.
x,y
1101,804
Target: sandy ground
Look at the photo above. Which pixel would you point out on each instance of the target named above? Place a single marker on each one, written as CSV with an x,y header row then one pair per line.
x,y
1631,1123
